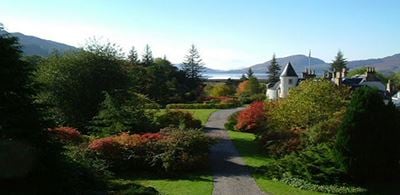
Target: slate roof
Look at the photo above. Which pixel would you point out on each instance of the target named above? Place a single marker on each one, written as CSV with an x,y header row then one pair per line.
x,y
289,71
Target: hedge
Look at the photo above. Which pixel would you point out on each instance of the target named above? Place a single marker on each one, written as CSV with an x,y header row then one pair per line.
x,y
201,106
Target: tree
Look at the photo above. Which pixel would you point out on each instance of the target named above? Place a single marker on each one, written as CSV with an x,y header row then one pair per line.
x,y
122,111
367,140
273,71
311,102
249,87
339,63
27,156
193,65
250,73
133,57
221,90
73,84
18,114
147,58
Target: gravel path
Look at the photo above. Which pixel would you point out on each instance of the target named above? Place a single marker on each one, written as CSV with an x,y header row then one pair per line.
x,y
231,176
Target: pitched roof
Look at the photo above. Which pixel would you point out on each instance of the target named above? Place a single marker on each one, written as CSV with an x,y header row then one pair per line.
x,y
288,71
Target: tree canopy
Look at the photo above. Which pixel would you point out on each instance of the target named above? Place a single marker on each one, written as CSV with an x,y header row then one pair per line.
x,y
339,63
273,71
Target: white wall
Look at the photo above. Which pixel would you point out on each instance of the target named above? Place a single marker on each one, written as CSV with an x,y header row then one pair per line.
x,y
286,85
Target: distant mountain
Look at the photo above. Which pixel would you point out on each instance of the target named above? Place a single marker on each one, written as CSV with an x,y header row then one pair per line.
x,y
387,64
36,46
300,63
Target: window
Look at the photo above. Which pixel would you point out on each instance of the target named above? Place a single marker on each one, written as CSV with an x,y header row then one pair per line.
x,y
290,81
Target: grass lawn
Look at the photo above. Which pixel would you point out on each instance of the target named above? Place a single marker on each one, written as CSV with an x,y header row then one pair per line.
x,y
201,114
194,183
251,154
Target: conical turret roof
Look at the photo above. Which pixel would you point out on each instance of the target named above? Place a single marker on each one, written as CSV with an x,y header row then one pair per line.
x,y
288,71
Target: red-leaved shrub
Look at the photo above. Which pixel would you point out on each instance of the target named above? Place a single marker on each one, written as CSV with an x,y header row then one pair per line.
x,y
106,145
252,118
65,134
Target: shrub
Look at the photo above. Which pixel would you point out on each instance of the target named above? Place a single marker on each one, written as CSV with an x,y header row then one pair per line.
x,y
280,143
123,111
252,118
232,121
66,134
201,106
169,151
106,145
178,119
183,150
367,141
221,89
315,164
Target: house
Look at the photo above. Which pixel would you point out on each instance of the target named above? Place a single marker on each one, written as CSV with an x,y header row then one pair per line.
x,y
289,79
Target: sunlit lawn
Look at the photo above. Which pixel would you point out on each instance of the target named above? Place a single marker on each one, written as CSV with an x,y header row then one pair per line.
x,y
190,183
201,114
250,152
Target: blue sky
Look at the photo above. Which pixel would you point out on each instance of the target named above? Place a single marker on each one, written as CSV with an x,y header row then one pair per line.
x,y
228,33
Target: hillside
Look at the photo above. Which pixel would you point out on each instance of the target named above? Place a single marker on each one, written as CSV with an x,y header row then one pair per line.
x,y
32,45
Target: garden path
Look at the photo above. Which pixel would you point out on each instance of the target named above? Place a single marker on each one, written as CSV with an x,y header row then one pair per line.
x,y
231,176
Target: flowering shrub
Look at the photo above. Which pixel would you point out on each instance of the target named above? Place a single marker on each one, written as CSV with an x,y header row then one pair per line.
x,y
252,118
66,134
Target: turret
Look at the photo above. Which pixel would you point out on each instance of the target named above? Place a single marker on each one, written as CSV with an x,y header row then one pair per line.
x,y
288,79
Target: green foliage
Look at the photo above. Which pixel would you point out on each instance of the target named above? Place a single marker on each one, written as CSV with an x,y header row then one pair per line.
x,y
219,90
202,106
193,65
315,164
73,84
339,63
177,119
18,113
332,189
232,121
308,104
367,141
273,71
250,73
133,57
123,111
147,57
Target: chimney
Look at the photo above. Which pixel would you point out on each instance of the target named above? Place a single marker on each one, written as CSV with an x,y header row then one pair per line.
x,y
370,74
344,72
338,78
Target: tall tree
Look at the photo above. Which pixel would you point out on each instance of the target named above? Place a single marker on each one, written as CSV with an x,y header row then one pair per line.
x,y
193,65
147,58
133,56
250,73
339,63
273,71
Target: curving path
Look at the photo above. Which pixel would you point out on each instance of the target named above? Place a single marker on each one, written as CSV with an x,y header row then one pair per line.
x,y
231,176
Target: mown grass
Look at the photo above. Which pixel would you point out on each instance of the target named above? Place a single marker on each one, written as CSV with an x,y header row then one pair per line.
x,y
253,157
190,183
201,114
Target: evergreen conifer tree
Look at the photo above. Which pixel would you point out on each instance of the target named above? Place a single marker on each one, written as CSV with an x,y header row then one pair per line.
x,y
133,56
339,63
193,65
250,73
147,58
273,71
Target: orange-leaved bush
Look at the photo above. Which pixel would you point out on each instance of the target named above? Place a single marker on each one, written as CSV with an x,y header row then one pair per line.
x,y
252,118
65,133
